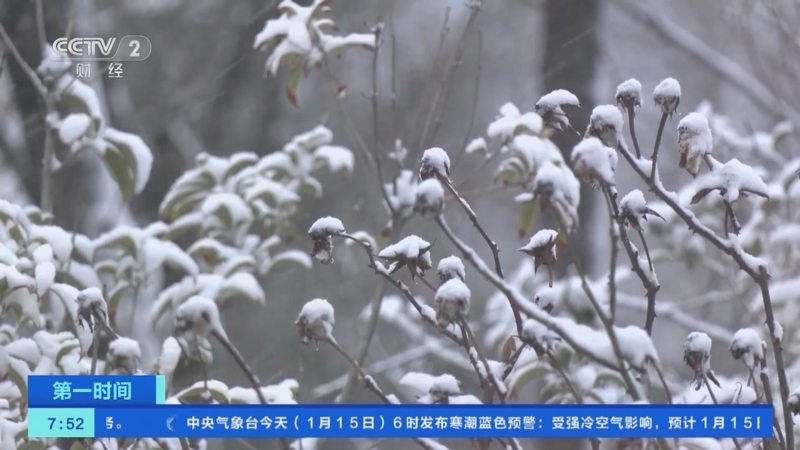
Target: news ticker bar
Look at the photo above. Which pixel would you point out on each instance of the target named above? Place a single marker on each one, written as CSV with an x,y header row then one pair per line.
x,y
404,421
81,391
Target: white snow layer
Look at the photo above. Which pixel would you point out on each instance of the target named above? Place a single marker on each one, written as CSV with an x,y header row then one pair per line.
x,y
731,179
326,226
542,238
694,141
408,247
452,266
629,92
435,159
747,345
592,159
606,123
697,341
510,122
318,310
633,202
454,291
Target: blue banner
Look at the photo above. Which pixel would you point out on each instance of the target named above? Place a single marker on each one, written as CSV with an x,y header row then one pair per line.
x,y
407,421
81,391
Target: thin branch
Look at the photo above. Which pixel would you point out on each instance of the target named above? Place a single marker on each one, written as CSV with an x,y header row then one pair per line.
x,y
375,131
770,400
251,377
40,27
631,116
370,383
661,125
663,380
474,108
498,387
613,234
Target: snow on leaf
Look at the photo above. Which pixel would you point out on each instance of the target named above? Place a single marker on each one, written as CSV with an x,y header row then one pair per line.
x,y
136,153
216,389
229,208
290,259
273,193
511,122
73,127
732,179
477,145
241,283
419,382
120,170
79,96
336,158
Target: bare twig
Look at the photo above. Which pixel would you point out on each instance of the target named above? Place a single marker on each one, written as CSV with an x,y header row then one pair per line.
x,y
491,378
474,108
95,350
376,152
661,125
370,383
663,381
613,234
251,377
770,400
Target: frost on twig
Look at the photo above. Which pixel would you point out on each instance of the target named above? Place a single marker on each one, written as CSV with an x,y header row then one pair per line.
x,y
430,198
412,252
452,301
449,268
629,94
697,355
594,162
732,179
634,207
551,108
434,163
667,96
315,321
321,232
694,142
748,346
542,248
606,124
92,309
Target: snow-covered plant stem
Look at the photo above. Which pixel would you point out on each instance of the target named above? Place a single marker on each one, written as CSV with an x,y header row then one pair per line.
x,y
661,125
770,400
429,316
251,377
492,244
732,249
472,341
650,284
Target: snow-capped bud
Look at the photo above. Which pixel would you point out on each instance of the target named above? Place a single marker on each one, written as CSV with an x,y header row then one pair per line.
x,y
198,316
451,301
325,227
606,124
430,198
733,179
697,355
443,387
412,252
124,355
694,142
539,337
545,300
667,95
434,162
634,207
449,268
748,346
92,308
629,93
794,402
542,247
551,108
315,321
595,162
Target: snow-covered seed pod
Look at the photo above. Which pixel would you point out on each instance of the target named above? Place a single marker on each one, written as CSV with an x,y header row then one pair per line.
x,y
633,208
92,308
434,162
552,108
412,252
667,95
452,301
429,202
748,346
606,124
594,162
449,268
124,355
694,142
629,94
697,355
315,322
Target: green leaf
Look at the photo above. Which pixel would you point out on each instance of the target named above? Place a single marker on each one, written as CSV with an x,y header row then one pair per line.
x,y
68,278
31,445
64,351
509,348
527,217
311,187
290,259
291,85
120,171
510,172
533,372
107,267
239,161
116,295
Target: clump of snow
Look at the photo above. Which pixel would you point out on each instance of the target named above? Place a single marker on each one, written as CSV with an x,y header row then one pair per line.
x,y
430,198
633,207
477,145
511,122
559,189
697,355
636,346
325,226
539,337
747,345
449,268
606,124
451,301
431,389
595,162
551,108
629,93
315,321
412,251
434,163
731,179
200,316
667,95
92,308
694,142
778,330
124,355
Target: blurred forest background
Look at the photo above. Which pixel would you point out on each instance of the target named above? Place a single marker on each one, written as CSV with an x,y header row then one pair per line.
x,y
203,89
